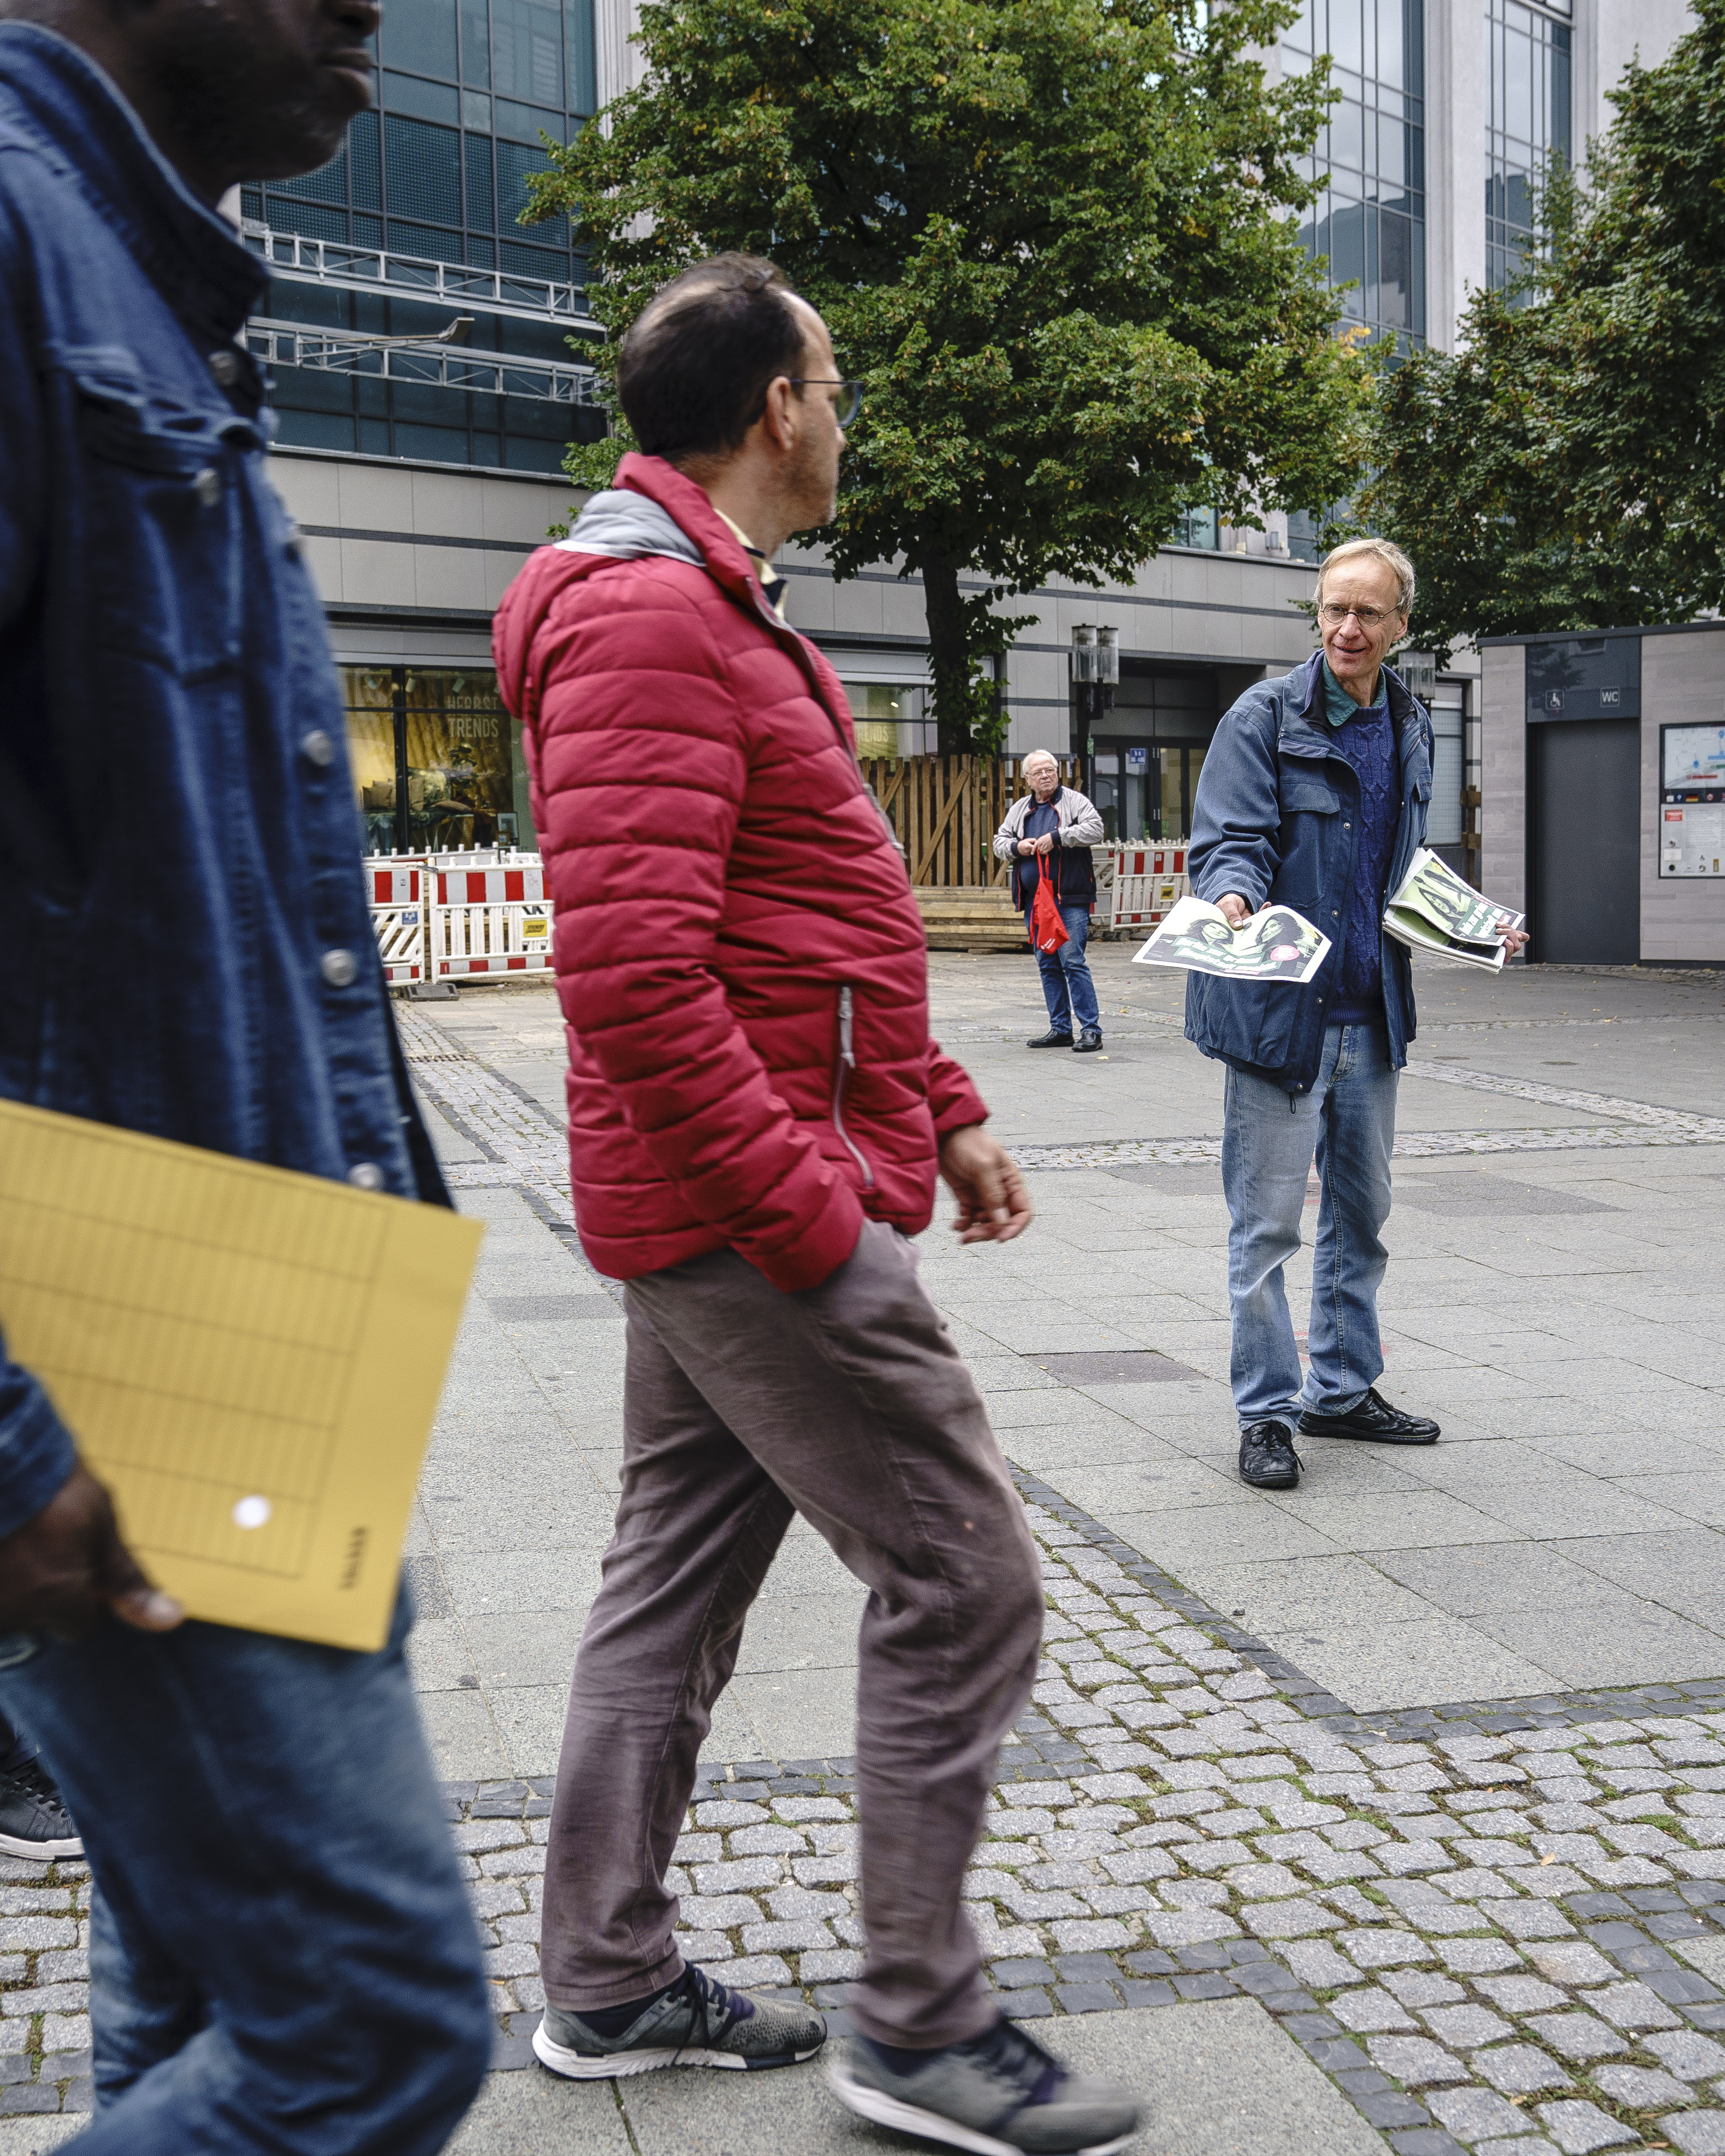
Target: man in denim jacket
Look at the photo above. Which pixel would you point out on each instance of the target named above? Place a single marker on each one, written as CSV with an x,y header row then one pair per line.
x,y
282,1954
1314,796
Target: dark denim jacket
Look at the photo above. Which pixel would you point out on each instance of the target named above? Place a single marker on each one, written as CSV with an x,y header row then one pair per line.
x,y
1275,817
182,911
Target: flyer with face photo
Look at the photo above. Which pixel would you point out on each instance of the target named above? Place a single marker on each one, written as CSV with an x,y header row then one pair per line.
x,y
1276,945
1432,909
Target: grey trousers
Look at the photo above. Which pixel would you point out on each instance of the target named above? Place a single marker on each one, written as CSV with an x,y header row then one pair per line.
x,y
849,1404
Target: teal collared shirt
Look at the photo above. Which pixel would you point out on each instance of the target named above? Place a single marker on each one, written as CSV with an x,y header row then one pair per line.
x,y
1339,707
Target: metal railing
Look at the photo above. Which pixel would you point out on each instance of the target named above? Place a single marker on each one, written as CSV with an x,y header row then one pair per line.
x,y
449,366
333,263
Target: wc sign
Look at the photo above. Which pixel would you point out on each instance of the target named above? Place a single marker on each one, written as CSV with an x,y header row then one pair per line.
x,y
1609,699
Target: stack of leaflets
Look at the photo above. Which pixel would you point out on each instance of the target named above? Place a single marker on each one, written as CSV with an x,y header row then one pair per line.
x,y
1276,945
1434,910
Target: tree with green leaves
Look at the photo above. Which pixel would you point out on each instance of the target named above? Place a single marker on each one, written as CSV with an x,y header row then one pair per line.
x,y
1050,236
1565,468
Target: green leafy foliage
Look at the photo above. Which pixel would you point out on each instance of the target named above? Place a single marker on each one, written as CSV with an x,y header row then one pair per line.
x,y
1565,469
1050,235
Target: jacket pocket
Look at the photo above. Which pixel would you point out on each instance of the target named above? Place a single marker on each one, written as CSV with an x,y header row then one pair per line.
x,y
844,1064
162,518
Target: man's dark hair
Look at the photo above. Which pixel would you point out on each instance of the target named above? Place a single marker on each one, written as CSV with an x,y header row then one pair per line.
x,y
693,372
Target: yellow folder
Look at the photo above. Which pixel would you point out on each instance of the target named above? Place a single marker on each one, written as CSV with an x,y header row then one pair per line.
x,y
250,1360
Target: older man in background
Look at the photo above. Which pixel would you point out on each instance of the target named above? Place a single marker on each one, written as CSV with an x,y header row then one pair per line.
x,y
1049,832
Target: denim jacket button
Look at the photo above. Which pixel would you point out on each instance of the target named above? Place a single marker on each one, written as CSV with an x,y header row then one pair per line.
x,y
366,1175
225,367
208,486
317,747
340,968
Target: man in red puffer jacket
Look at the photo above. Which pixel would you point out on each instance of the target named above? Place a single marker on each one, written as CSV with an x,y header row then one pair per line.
x,y
757,1117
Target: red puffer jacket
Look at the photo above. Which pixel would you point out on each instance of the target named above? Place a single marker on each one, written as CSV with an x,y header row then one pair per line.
x,y
740,960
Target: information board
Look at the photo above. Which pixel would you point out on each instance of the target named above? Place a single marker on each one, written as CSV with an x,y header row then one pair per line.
x,y
1692,801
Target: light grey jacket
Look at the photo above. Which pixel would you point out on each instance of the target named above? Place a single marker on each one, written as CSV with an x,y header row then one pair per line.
x,y
1080,822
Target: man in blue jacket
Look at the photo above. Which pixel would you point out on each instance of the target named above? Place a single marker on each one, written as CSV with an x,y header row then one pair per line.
x,y
1314,795
282,1955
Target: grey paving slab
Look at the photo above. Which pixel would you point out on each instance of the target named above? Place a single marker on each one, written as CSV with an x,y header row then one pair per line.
x,y
1419,1661
1587,1646
538,2114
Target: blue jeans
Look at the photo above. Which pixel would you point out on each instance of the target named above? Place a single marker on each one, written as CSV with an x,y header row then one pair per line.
x,y
1067,987
283,1957
1268,1141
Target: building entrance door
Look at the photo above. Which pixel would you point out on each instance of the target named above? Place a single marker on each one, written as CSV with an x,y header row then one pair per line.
x,y
1586,884
1144,789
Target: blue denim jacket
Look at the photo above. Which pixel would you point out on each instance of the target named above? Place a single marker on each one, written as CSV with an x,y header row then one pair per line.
x,y
184,913
1276,817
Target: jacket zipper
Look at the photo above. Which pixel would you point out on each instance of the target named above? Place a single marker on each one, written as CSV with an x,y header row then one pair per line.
x,y
841,1073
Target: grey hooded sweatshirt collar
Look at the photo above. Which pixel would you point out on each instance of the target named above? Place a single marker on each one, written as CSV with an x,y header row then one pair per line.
x,y
625,525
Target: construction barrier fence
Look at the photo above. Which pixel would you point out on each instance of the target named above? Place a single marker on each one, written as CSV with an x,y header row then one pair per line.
x,y
458,917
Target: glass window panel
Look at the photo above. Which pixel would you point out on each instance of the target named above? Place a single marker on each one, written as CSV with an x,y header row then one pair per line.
x,y
425,241
1346,137
328,185
420,35
528,52
481,192
425,100
365,161
476,44
1345,42
424,170
1347,244
1395,270
316,222
583,63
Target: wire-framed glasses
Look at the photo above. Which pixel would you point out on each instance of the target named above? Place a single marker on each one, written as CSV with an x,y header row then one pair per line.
x,y
847,395
1367,617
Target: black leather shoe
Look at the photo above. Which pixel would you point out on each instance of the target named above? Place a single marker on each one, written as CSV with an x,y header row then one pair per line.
x,y
1051,1039
1374,1420
1267,1458
1088,1042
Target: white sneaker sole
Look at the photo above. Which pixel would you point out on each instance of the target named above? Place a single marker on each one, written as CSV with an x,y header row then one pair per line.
x,y
605,2066
39,1852
884,2110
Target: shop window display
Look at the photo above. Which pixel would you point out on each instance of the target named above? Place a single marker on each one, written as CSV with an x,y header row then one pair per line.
x,y
440,735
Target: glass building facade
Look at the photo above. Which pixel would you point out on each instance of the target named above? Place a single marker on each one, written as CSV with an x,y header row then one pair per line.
x,y
1527,124
466,91
1369,223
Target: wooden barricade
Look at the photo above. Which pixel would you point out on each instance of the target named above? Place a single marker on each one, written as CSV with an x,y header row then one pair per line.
x,y
946,810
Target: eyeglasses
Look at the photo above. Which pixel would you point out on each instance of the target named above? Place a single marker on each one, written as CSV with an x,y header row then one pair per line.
x,y
1367,617
846,404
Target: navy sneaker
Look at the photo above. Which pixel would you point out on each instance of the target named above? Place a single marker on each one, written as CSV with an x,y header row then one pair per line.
x,y
694,2022
1000,2094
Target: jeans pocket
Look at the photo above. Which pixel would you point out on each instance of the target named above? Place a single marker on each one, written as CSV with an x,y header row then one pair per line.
x,y
16,1648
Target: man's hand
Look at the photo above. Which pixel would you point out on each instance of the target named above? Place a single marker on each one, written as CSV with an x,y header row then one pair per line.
x,y
64,1570
1236,908
1044,844
1514,939
993,1205
1027,845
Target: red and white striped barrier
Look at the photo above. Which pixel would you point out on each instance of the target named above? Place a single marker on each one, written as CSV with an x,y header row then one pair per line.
x,y
397,904
488,920
1149,881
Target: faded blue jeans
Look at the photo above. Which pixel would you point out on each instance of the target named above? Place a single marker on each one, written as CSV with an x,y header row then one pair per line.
x,y
1067,987
283,1958
1269,1139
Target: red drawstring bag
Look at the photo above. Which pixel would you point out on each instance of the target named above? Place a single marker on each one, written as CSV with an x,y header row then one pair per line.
x,y
1048,931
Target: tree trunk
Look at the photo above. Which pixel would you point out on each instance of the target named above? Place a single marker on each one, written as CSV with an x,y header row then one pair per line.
x,y
948,652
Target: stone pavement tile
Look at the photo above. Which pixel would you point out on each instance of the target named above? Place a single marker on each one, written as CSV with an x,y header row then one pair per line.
x,y
1494,1576
538,1519
1696,1495
1418,1662
1111,1441
1167,1482
799,1713
1219,1534
35,2137
1623,1452
484,1582
535,2113
1304,1590
802,1630
437,1655
1409,1519
1651,1647
1666,1567
518,1648
465,1743
1560,1507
